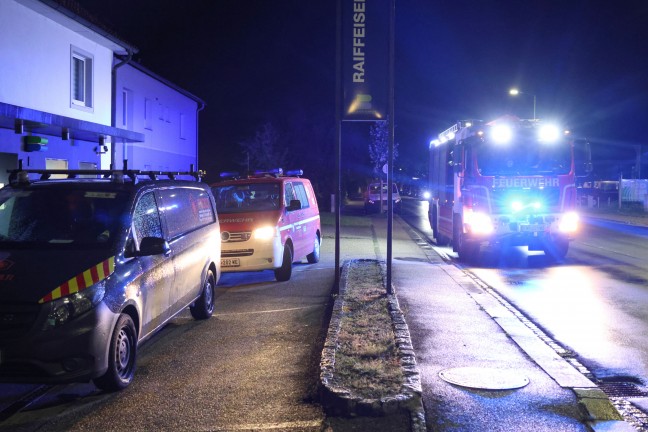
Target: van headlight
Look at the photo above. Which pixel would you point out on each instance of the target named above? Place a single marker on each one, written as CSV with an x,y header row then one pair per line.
x,y
264,233
67,308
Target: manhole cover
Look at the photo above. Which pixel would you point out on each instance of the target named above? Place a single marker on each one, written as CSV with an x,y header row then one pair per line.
x,y
484,378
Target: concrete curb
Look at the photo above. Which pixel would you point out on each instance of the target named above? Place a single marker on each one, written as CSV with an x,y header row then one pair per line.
x,y
340,401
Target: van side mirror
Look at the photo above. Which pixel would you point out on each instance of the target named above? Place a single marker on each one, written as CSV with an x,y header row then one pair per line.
x,y
294,205
153,246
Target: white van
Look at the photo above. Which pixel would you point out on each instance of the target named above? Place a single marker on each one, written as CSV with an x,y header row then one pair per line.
x,y
374,194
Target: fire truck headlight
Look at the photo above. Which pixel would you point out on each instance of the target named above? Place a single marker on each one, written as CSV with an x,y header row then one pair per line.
x,y
569,223
549,133
501,134
66,308
264,233
480,223
426,195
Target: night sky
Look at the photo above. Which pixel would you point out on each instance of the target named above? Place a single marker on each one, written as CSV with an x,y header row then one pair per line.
x,y
255,61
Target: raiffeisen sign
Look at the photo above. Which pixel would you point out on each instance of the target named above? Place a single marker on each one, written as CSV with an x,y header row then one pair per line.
x,y
365,59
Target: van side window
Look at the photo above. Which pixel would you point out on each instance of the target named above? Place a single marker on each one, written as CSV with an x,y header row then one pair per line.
x,y
290,194
300,191
146,219
186,209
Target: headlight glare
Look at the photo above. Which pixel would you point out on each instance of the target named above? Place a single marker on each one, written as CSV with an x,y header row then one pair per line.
x,y
569,222
264,233
549,133
501,134
480,223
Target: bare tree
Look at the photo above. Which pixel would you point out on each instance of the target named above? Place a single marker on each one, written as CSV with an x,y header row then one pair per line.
x,y
262,151
379,145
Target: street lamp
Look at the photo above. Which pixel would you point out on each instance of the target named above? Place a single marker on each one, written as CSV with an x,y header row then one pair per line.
x,y
515,92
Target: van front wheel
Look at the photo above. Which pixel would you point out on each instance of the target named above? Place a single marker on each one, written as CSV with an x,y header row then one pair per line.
x,y
284,272
121,356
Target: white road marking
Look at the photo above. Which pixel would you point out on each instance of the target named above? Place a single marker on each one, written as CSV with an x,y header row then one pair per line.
x,y
269,426
270,311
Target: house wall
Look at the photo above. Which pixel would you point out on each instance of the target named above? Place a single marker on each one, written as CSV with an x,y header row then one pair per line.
x,y
164,115
35,59
35,73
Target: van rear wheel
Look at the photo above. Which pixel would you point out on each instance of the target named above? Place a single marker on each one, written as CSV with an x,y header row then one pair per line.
x,y
284,272
314,256
121,356
203,307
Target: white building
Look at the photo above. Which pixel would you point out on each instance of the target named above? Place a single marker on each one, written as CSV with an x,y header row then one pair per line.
x,y
166,115
69,81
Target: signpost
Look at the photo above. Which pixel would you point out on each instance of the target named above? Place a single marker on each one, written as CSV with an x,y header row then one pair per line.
x,y
365,89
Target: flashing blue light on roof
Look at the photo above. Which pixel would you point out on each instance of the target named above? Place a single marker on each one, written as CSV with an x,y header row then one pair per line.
x,y
295,173
274,171
229,174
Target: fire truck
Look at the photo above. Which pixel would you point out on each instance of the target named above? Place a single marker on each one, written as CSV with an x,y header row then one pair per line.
x,y
507,182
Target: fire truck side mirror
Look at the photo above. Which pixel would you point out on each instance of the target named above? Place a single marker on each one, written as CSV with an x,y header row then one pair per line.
x,y
457,158
582,158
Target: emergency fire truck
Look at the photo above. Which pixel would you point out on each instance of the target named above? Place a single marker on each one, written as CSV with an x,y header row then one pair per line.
x,y
508,182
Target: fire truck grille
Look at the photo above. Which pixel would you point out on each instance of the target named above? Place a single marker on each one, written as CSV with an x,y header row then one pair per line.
x,y
232,237
16,319
236,253
548,197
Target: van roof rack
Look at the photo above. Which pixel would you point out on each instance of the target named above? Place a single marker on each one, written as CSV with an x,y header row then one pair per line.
x,y
21,176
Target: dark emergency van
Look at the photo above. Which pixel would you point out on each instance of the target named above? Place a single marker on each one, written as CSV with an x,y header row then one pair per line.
x,y
92,267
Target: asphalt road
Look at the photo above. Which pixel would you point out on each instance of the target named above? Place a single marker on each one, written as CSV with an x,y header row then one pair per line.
x,y
594,304
253,365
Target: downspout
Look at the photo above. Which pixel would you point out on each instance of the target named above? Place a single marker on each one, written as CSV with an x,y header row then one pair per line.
x,y
113,104
202,107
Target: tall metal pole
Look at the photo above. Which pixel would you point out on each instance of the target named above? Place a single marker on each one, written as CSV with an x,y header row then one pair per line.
x,y
338,137
390,155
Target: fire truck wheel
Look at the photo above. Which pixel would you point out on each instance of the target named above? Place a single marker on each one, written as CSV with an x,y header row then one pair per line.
x,y
284,272
432,217
121,356
203,307
314,256
467,251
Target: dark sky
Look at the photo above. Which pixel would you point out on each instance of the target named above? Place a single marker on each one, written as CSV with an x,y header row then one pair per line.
x,y
260,60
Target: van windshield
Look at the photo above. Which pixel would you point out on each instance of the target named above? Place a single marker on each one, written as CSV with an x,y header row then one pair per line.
x,y
250,197
60,218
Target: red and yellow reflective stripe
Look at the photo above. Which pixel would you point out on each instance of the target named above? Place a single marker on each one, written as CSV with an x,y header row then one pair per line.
x,y
82,281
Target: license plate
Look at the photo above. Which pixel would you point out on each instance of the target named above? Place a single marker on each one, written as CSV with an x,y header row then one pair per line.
x,y
532,228
230,262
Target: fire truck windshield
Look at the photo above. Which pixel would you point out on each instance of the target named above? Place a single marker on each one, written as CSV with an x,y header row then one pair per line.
x,y
523,156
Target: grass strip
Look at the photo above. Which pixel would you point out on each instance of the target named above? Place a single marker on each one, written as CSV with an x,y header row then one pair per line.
x,y
366,359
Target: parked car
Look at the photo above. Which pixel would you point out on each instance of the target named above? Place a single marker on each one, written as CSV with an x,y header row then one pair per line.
x,y
268,220
91,268
373,197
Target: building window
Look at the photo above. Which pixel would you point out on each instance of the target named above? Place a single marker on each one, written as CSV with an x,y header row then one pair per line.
x,y
125,110
183,127
81,65
148,114
60,164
